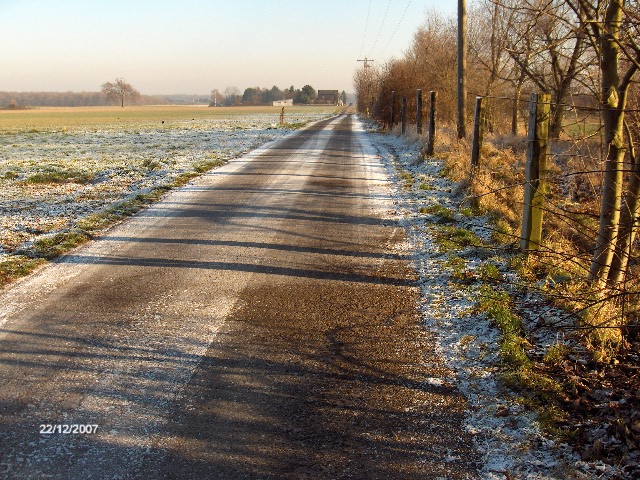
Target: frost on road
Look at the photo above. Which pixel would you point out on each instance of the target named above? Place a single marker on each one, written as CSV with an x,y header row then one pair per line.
x,y
261,322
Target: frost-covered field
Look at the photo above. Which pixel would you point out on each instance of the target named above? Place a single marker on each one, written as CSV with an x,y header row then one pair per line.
x,y
55,174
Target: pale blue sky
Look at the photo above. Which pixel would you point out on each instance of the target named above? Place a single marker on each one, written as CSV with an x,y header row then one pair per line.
x,y
193,46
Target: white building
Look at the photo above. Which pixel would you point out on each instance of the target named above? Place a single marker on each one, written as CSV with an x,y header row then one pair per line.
x,y
283,103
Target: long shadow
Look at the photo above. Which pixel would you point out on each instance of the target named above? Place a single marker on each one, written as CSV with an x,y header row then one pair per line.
x,y
327,177
290,191
258,245
88,348
199,205
256,163
234,267
311,432
266,212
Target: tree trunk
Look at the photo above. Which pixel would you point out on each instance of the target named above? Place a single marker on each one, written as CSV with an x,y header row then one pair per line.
x,y
609,215
628,227
462,69
613,103
516,109
557,115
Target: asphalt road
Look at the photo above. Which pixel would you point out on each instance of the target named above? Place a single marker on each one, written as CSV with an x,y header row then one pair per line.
x,y
256,324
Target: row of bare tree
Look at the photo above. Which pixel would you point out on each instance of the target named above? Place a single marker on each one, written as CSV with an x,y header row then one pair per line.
x,y
19,100
583,52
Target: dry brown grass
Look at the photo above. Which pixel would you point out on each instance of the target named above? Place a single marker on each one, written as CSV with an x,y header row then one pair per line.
x,y
454,152
496,187
496,190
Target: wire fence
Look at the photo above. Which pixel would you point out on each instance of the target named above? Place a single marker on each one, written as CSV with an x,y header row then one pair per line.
x,y
574,168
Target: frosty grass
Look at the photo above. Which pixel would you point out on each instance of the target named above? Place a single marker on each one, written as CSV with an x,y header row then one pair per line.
x,y
51,178
508,438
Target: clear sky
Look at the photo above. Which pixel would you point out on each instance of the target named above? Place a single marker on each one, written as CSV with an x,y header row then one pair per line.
x,y
193,46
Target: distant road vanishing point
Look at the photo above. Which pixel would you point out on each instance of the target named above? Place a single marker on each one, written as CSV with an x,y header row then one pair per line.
x,y
258,323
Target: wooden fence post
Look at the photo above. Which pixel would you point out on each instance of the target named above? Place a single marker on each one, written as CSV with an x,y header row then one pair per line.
x,y
419,111
535,172
478,134
431,138
404,115
393,108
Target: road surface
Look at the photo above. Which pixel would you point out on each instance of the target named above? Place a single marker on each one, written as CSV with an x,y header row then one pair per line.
x,y
256,324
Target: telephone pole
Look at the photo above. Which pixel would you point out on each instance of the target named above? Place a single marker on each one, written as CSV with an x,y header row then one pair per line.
x,y
368,110
366,62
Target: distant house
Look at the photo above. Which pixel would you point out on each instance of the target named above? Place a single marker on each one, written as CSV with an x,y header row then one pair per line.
x,y
283,103
328,97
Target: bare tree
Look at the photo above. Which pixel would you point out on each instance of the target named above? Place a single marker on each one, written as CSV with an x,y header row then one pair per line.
x,y
612,30
489,28
119,91
548,45
365,82
216,98
630,205
232,96
431,62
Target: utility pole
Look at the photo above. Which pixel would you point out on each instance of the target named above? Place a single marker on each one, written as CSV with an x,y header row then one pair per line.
x,y
366,62
367,93
462,68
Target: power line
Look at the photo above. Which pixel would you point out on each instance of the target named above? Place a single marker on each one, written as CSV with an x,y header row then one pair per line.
x,y
397,26
381,25
366,24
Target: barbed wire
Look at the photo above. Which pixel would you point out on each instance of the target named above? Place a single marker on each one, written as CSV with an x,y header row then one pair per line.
x,y
525,98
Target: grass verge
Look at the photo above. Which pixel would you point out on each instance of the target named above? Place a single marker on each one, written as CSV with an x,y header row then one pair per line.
x,y
17,266
51,246
538,390
496,193
451,238
56,175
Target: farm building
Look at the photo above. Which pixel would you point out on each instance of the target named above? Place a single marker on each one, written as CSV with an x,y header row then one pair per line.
x,y
328,97
283,103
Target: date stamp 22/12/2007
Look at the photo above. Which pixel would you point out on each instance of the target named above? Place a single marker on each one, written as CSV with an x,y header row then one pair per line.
x,y
67,429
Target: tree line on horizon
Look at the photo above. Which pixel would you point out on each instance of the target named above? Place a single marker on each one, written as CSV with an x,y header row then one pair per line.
x,y
108,96
20,100
265,96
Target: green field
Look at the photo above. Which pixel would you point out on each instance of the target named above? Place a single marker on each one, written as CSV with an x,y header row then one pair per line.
x,y
47,118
